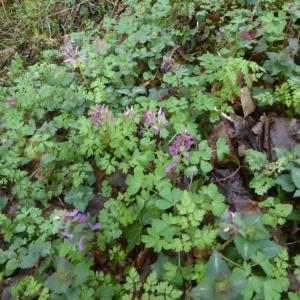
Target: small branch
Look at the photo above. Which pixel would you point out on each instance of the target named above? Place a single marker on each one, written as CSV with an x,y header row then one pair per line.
x,y
231,175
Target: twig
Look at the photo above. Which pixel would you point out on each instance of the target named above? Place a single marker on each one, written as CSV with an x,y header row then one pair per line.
x,y
66,9
114,8
232,174
5,12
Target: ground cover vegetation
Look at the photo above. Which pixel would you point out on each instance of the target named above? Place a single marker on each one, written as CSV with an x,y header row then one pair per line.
x,y
150,149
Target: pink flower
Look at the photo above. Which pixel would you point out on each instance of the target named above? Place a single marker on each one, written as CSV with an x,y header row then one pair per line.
x,y
171,166
71,54
95,227
67,234
246,36
99,114
155,120
167,65
129,112
81,243
182,142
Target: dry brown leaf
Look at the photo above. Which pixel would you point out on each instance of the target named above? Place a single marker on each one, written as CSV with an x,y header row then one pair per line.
x,y
248,104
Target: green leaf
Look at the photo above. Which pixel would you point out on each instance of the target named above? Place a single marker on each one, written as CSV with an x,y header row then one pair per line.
x,y
204,290
47,158
106,292
295,172
57,283
245,247
272,289
81,273
133,235
3,202
293,296
222,148
286,183
216,266
269,248
297,193
79,197
205,166
134,184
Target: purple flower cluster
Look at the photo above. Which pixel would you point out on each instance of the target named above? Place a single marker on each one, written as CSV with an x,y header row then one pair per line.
x,y
76,216
181,143
71,54
167,65
246,36
155,120
99,114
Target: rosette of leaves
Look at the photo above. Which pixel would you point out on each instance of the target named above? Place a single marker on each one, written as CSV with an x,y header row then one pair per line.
x,y
219,283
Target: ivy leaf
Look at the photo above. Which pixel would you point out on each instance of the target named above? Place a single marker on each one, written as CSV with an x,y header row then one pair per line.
x,y
216,266
245,247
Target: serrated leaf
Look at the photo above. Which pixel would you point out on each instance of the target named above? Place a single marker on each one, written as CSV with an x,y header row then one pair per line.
x,y
133,235
272,289
134,185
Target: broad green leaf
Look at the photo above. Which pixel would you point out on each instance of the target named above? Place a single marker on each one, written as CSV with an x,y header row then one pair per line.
x,y
245,247
205,166
295,172
133,235
134,184
204,290
58,283
216,266
47,158
286,183
81,273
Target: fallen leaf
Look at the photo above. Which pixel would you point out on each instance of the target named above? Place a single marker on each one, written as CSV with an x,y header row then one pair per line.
x,y
248,104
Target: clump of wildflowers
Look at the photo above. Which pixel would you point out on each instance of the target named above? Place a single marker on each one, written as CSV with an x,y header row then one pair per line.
x,y
71,220
71,53
167,65
155,120
99,114
181,144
